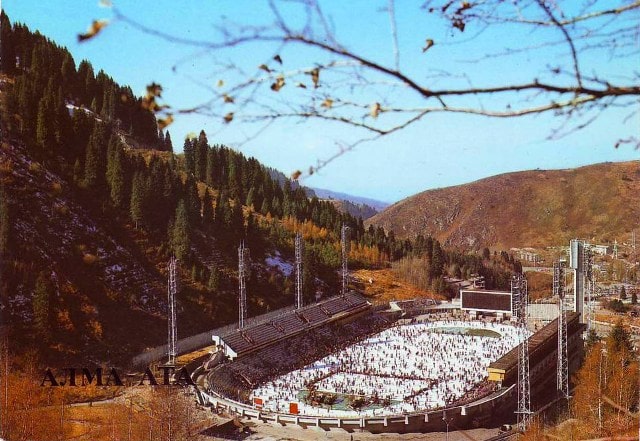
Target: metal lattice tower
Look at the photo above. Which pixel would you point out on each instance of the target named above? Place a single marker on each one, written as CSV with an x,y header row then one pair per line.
x,y
299,251
243,258
344,236
519,291
171,313
587,269
563,359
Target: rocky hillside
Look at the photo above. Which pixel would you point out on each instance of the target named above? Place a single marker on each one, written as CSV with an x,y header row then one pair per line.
x,y
532,208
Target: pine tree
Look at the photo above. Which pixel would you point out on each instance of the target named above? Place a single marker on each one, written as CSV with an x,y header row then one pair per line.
x,y
189,157
108,109
8,59
41,306
180,233
45,131
623,293
214,279
192,200
211,173
168,145
619,339
207,209
160,140
95,161
202,147
137,201
592,339
250,198
115,173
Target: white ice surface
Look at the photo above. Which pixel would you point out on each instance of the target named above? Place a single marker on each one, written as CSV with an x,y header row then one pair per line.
x,y
414,366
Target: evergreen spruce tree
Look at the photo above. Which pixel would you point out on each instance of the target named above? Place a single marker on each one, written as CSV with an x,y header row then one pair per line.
x,y
160,140
211,173
619,339
250,198
189,157
202,147
115,173
180,233
137,201
45,130
168,145
207,209
192,200
95,163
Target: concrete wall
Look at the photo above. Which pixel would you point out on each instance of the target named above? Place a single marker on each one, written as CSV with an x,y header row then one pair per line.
x,y
477,414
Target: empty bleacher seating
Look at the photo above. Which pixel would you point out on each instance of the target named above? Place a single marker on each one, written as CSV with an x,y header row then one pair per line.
x,y
293,322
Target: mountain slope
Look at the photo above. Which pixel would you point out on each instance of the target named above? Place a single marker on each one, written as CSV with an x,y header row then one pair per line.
x,y
357,200
363,211
531,208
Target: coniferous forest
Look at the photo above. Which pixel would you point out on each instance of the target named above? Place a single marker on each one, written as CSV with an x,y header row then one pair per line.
x,y
96,152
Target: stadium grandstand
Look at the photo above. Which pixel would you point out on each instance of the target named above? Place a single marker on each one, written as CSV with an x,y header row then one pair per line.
x,y
293,322
341,363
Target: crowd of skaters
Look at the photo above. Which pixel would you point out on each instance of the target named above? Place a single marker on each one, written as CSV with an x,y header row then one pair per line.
x,y
237,379
420,365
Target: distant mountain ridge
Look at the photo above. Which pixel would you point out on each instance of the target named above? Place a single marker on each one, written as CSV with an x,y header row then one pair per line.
x,y
329,194
529,208
356,206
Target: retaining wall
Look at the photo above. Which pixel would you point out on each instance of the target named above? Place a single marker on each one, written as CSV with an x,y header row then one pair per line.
x,y
480,413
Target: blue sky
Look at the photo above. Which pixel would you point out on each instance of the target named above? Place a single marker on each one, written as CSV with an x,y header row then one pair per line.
x,y
441,150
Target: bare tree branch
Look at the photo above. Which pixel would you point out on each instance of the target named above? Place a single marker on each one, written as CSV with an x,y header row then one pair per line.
x,y
346,86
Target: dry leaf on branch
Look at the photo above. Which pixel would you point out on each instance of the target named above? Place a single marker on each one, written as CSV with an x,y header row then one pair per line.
x,y
164,122
328,103
227,98
375,110
93,30
228,117
278,59
279,84
315,76
265,68
427,44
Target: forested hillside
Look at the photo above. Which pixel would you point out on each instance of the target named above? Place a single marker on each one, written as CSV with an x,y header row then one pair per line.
x,y
94,201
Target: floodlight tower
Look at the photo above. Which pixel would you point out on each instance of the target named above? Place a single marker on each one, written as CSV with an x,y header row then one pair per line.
x,y
171,313
344,236
243,259
299,251
519,291
563,359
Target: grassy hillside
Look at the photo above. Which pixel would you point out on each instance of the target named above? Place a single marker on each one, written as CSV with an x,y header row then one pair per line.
x,y
531,208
